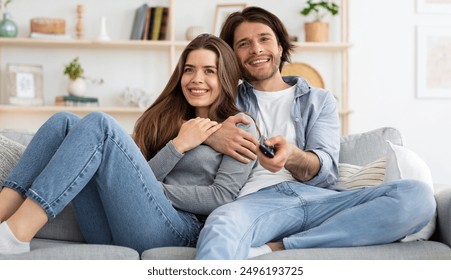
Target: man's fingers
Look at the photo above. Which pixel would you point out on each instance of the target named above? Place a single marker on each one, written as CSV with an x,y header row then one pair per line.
x,y
237,119
247,153
240,157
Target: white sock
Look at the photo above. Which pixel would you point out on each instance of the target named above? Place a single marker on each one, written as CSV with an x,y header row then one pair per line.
x,y
257,251
9,243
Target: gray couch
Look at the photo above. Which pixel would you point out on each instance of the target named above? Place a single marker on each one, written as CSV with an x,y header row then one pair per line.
x,y
62,239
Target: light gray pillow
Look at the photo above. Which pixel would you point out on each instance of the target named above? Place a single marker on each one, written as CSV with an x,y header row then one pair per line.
x,y
363,148
10,152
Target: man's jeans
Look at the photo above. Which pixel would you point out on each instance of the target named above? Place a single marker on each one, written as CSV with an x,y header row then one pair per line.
x,y
97,166
304,216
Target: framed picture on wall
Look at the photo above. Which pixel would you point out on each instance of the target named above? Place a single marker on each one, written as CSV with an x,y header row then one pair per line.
x,y
434,6
24,84
433,61
222,12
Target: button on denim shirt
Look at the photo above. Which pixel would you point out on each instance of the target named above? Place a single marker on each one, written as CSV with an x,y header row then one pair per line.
x,y
315,117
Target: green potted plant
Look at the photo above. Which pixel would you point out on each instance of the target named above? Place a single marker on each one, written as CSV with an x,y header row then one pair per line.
x,y
318,30
77,84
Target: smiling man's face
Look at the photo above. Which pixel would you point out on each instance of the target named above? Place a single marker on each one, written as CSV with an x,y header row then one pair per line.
x,y
258,51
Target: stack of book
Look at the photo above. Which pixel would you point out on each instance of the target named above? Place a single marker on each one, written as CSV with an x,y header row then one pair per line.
x,y
150,23
76,101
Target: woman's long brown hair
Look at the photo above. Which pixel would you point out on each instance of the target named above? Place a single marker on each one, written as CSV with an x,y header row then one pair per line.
x,y
161,122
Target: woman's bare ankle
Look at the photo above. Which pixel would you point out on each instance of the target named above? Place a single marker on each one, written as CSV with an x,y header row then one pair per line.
x,y
27,220
10,201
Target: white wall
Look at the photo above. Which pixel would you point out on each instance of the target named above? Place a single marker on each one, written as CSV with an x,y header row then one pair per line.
x,y
383,80
382,61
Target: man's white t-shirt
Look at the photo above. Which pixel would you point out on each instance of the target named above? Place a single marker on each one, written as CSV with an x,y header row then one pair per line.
x,y
273,118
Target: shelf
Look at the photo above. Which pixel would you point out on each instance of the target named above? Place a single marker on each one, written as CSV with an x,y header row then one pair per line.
x,y
327,46
54,109
344,113
110,110
139,44
89,44
321,46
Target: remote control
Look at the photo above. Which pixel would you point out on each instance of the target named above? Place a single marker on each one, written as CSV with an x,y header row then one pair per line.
x,y
268,151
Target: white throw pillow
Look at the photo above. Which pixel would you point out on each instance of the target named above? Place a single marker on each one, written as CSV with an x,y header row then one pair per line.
x,y
10,151
354,177
405,164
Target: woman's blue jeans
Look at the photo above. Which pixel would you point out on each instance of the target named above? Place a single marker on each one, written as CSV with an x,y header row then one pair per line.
x,y
97,166
304,216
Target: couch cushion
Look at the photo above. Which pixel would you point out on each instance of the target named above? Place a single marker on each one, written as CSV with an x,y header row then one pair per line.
x,y
10,152
354,177
363,148
42,249
406,164
63,227
397,251
421,250
443,198
22,137
169,253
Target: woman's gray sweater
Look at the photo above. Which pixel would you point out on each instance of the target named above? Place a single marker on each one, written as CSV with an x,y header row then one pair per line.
x,y
201,179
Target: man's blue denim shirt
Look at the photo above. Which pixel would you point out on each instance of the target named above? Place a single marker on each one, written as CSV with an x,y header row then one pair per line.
x,y
317,125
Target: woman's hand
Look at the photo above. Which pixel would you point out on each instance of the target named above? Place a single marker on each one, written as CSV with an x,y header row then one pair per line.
x,y
194,132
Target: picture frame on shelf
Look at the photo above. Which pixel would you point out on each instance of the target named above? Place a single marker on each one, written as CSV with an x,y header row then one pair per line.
x,y
433,62
24,84
222,12
434,6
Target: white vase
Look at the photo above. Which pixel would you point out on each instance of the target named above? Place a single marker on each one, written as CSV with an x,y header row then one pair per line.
x,y
77,87
103,34
193,31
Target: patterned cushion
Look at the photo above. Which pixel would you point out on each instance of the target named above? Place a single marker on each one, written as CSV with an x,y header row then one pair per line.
x,y
354,176
10,151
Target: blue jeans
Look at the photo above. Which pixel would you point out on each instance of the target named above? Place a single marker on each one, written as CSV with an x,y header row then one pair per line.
x,y
304,216
97,166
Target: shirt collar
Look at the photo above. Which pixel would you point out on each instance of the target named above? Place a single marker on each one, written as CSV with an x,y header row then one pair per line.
x,y
302,87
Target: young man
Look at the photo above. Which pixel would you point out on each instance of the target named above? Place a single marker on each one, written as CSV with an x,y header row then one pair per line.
x,y
291,200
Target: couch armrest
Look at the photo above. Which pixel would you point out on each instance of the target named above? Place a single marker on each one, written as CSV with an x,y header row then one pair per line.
x,y
443,198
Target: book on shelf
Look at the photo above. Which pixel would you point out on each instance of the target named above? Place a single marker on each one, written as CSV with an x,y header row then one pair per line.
x,y
157,22
164,24
138,22
150,23
37,35
146,24
76,101
148,31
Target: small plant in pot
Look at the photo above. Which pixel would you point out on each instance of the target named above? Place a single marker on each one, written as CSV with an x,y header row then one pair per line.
x,y
318,30
77,84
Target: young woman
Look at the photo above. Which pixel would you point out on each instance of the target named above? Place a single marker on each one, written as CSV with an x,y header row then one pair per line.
x,y
150,191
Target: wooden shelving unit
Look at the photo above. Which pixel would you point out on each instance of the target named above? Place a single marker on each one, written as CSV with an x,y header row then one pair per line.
x,y
172,47
54,109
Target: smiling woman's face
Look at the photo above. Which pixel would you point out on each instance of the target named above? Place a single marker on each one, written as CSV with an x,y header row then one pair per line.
x,y
200,82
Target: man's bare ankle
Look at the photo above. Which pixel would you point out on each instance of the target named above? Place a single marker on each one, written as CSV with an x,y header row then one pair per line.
x,y
276,246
